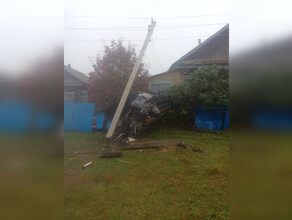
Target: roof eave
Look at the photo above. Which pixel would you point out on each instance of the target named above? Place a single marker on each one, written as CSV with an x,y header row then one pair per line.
x,y
199,46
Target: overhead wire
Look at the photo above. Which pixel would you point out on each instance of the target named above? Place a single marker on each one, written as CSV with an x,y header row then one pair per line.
x,y
193,16
143,18
155,39
143,28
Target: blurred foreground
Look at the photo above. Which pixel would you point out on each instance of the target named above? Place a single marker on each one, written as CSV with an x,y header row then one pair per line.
x,y
32,177
31,141
261,126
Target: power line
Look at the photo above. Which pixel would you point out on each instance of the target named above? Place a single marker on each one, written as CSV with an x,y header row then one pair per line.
x,y
194,16
93,41
143,18
170,38
92,16
105,28
142,28
187,26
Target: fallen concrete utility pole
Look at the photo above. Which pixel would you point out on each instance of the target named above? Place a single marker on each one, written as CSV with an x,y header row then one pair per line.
x,y
130,82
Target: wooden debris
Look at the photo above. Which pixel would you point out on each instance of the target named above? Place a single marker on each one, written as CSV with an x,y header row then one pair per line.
x,y
152,144
86,165
159,144
110,154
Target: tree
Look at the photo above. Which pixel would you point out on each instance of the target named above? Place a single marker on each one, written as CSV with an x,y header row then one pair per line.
x,y
208,86
111,73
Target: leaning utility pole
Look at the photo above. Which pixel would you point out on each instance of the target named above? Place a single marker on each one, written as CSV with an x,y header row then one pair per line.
x,y
130,82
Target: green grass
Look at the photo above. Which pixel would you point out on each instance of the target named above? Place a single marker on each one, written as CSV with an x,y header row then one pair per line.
x,y
155,184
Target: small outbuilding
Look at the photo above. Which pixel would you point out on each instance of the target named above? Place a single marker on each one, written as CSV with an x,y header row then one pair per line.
x,y
75,84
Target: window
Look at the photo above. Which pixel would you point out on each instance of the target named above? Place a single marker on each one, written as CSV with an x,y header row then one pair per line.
x,y
84,96
160,87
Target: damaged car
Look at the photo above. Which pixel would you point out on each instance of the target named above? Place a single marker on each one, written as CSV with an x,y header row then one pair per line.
x,y
141,111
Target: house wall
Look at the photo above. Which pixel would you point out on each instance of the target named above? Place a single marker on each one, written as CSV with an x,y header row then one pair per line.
x,y
161,83
173,77
75,94
74,89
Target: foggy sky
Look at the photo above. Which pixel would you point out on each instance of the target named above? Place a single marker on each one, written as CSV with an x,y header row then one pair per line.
x,y
32,30
160,54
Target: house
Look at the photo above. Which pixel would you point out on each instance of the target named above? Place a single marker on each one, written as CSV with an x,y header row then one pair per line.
x,y
75,84
214,50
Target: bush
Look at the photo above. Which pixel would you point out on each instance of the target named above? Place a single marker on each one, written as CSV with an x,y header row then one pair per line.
x,y
208,86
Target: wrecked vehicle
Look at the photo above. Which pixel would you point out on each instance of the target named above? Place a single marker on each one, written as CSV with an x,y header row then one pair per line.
x,y
141,111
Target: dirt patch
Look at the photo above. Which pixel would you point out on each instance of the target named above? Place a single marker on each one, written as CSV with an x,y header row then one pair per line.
x,y
166,148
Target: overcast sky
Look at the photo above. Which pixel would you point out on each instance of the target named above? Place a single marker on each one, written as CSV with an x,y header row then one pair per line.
x,y
82,45
30,30
33,29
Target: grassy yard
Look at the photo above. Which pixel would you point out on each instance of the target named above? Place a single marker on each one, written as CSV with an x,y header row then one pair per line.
x,y
155,184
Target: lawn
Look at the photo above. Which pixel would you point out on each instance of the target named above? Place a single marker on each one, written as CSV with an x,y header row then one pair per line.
x,y
154,184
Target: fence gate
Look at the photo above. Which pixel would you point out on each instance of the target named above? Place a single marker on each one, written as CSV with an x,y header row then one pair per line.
x,y
78,116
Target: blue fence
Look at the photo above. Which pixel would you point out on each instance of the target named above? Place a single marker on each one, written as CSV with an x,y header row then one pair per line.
x,y
20,117
78,116
45,121
15,117
267,118
208,119
100,121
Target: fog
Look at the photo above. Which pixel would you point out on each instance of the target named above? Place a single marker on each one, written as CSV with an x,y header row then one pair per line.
x,y
34,35
83,45
30,30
